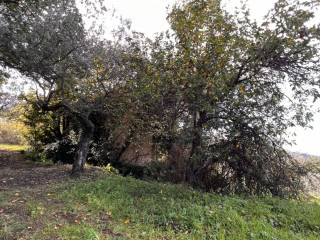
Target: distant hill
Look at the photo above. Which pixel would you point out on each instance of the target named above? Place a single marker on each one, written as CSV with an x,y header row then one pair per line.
x,y
305,158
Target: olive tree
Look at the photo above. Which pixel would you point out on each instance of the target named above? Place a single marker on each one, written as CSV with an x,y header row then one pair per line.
x,y
238,86
72,67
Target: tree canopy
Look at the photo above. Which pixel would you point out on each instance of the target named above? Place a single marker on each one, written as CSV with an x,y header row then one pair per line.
x,y
214,96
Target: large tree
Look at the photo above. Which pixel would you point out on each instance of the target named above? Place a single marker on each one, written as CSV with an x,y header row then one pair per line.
x,y
232,87
72,68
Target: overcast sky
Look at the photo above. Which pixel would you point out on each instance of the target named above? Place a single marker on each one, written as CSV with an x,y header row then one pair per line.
x,y
149,17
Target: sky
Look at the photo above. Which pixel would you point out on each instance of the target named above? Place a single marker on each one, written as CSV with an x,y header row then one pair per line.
x,y
149,17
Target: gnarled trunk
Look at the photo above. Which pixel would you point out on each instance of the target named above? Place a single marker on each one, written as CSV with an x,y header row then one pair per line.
x,y
83,147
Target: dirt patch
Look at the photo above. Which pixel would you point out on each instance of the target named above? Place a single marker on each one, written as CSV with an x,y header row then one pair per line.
x,y
26,203
16,172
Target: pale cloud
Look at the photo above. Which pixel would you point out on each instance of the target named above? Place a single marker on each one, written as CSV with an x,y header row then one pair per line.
x,y
149,16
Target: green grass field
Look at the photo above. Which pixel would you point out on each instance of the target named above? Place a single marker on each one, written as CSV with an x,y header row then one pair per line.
x,y
116,207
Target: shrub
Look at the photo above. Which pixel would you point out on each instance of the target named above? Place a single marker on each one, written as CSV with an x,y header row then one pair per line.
x,y
61,151
12,132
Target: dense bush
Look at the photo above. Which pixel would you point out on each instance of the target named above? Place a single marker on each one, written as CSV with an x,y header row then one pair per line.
x,y
62,151
232,168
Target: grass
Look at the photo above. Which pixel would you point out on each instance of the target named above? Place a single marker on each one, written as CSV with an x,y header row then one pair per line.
x,y
34,209
115,207
12,147
151,210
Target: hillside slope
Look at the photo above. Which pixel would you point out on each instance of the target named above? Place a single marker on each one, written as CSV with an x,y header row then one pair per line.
x,y
105,206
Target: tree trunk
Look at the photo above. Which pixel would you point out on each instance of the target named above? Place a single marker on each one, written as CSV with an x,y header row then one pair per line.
x,y
198,121
83,147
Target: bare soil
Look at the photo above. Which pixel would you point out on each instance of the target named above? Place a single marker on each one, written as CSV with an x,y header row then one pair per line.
x,y
17,172
22,183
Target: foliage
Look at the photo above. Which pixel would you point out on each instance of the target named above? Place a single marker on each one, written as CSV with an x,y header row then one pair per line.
x,y
208,95
50,134
47,42
219,83
38,157
110,170
62,151
12,132
41,128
